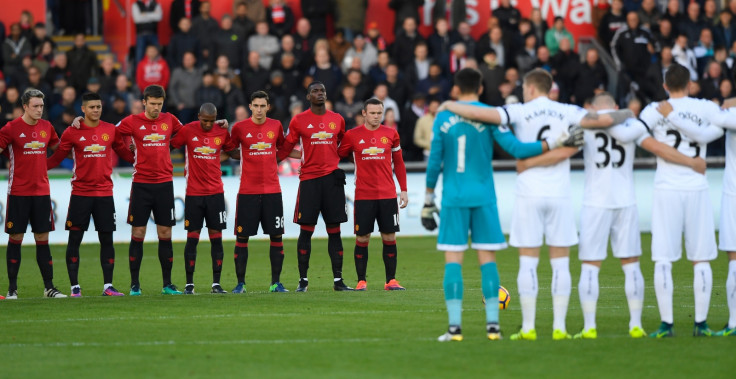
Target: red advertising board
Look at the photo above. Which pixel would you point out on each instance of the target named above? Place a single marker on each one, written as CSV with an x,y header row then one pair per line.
x,y
10,13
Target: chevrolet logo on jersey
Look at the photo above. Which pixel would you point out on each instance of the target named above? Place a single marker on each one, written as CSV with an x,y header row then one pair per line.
x,y
34,145
373,151
95,148
155,137
321,136
260,146
206,150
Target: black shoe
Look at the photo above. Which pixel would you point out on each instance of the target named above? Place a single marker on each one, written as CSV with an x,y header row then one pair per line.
x,y
340,286
217,289
303,285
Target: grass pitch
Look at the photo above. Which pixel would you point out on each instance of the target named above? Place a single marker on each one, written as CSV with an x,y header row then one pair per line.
x,y
328,334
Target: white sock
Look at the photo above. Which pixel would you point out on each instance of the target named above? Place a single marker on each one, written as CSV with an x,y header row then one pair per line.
x,y
634,288
702,287
528,288
731,293
561,288
107,285
588,291
663,290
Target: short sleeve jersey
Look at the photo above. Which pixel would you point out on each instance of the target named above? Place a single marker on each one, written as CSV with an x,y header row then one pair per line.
x,y
27,146
202,154
259,145
319,136
372,151
151,139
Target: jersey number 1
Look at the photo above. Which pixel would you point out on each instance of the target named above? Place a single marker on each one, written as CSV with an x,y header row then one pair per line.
x,y
461,141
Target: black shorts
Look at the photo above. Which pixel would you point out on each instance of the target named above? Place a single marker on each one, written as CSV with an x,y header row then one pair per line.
x,y
101,208
197,209
366,212
151,197
22,209
266,210
324,195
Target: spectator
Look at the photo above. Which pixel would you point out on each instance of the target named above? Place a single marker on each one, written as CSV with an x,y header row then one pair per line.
x,y
264,44
64,119
655,75
350,16
494,40
347,106
665,36
710,13
377,73
526,58
68,100
181,42
152,70
107,74
724,32
288,46
374,37
233,97
2,32
558,32
591,78
685,56
45,56
457,59
420,69
39,37
338,46
93,85
435,84
185,81
692,24
710,85
256,10
35,80
704,49
180,9
242,24
611,22
381,93
146,16
508,17
317,11
8,102
59,67
672,13
463,35
411,113
439,44
15,47
539,24
304,42
254,77
222,68
726,62
362,50
280,18
122,90
116,112
631,48
649,16
241,113
514,79
726,90
493,76
565,66
82,62
326,72
405,41
404,9
356,79
208,91
279,95
398,88
205,30
423,128
291,72
228,42
389,119
543,59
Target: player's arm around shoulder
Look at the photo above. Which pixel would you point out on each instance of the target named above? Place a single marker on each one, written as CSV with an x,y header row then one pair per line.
x,y
696,129
64,149
480,113
519,150
436,151
345,149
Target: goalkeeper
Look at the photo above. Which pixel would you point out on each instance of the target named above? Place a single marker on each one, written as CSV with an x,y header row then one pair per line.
x,y
462,150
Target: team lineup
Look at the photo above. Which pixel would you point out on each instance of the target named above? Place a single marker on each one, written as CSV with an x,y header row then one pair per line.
x,y
540,133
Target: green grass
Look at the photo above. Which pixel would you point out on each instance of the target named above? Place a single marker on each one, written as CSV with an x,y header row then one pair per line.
x,y
328,334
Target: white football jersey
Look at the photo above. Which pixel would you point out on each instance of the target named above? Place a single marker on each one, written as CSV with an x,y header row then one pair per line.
x,y
534,121
608,155
701,114
729,175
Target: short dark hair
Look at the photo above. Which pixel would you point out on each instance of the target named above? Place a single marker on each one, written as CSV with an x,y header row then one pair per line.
x,y
468,80
154,90
29,93
677,77
261,95
372,101
208,109
314,83
90,96
540,79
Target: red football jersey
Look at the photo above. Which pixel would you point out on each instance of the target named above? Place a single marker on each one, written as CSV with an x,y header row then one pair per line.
x,y
151,139
91,149
377,153
319,137
27,145
203,172
259,170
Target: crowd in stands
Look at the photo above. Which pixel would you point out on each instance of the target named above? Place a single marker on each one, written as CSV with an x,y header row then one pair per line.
x,y
259,46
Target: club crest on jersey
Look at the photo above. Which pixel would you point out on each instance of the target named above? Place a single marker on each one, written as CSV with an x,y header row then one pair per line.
x,y
34,145
333,126
68,223
155,137
373,150
384,140
94,148
270,134
44,134
260,146
186,222
205,150
164,126
218,141
105,137
321,135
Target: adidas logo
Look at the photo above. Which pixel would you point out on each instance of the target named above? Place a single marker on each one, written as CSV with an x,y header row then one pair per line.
x,y
248,136
82,139
310,126
195,139
361,141
22,135
143,127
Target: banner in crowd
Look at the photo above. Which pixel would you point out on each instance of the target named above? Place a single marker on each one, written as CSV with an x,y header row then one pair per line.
x,y
409,217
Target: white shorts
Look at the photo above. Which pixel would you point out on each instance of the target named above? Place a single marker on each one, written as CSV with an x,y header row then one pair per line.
x,y
727,234
535,218
675,212
596,224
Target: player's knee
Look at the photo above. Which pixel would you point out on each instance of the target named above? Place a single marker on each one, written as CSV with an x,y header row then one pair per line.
x,y
164,232
138,232
364,239
16,237
388,237
40,237
214,233
275,237
193,234
624,261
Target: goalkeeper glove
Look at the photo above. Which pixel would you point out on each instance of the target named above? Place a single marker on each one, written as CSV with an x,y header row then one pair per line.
x,y
428,212
572,138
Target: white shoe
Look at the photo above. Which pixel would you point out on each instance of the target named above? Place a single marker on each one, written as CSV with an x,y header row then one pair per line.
x,y
12,295
53,292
